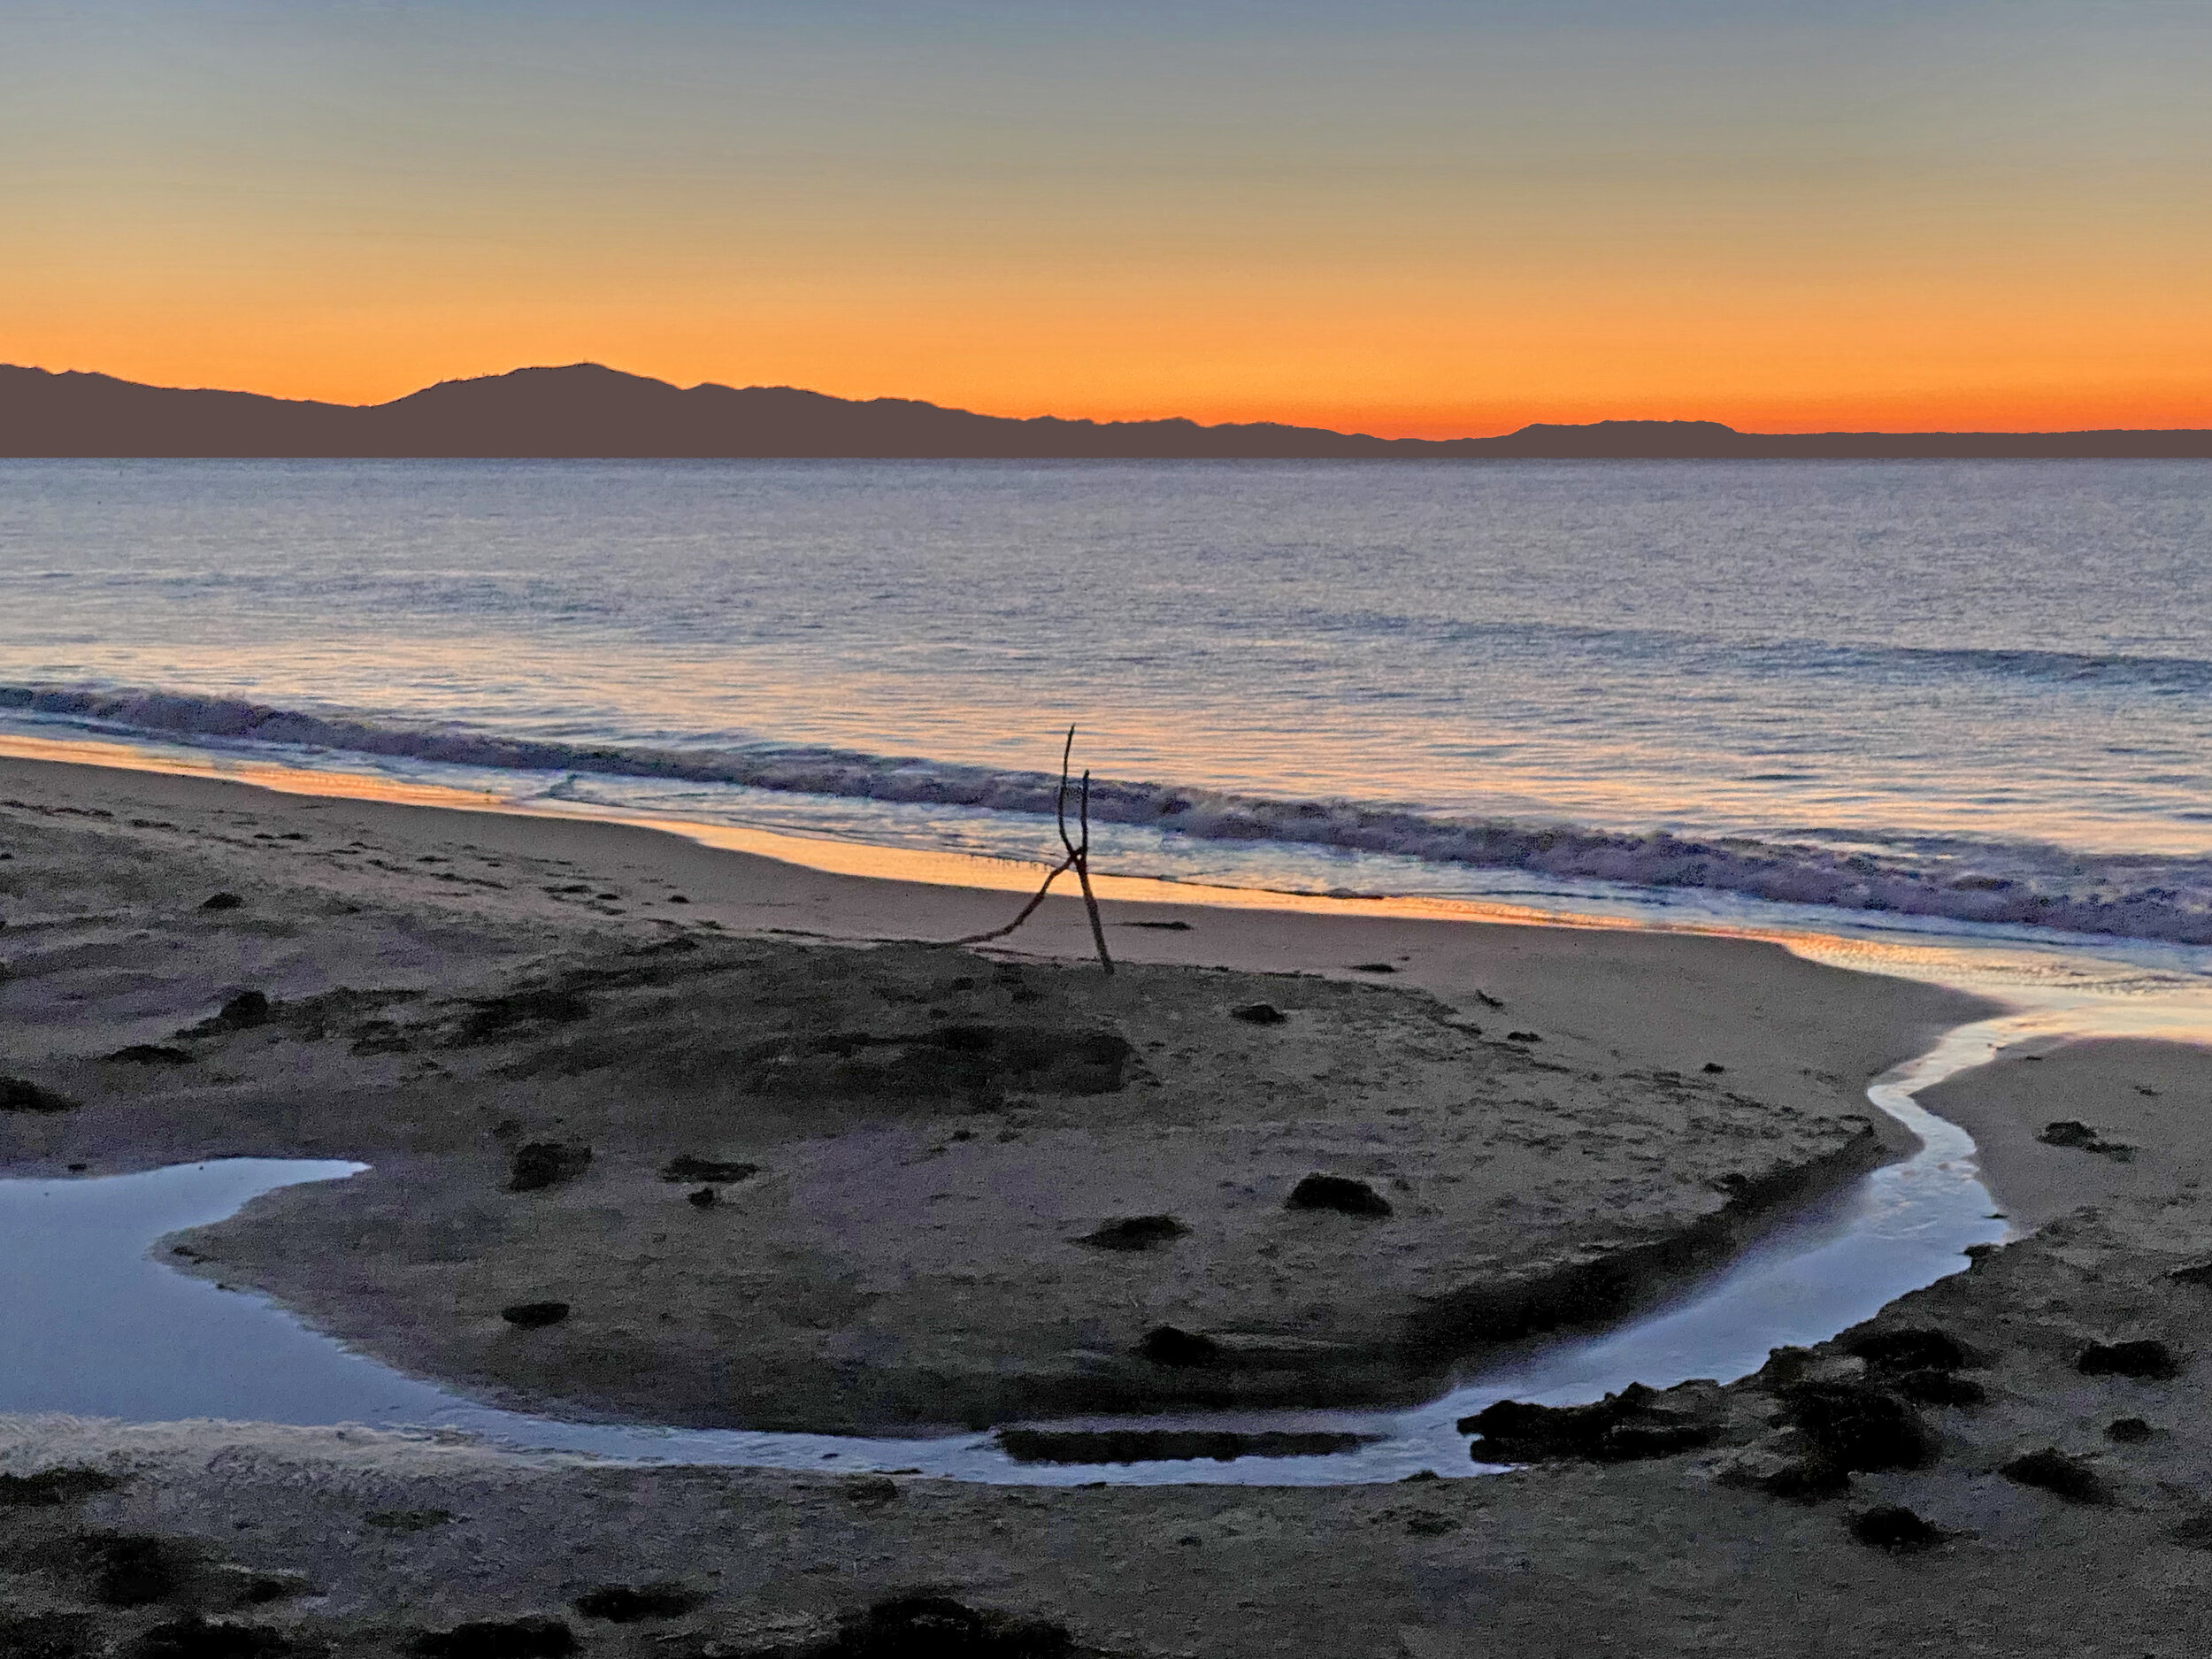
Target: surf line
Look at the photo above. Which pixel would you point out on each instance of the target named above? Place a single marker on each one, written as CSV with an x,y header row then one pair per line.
x,y
99,1301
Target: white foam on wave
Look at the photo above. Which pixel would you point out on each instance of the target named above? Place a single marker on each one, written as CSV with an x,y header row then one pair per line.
x,y
1994,881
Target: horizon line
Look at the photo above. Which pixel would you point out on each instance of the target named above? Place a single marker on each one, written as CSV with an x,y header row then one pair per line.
x,y
1705,422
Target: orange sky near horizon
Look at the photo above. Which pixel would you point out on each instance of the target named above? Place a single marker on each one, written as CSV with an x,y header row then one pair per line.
x,y
1432,221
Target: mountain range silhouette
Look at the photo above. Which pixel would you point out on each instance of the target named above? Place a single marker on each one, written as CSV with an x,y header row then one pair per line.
x,y
585,410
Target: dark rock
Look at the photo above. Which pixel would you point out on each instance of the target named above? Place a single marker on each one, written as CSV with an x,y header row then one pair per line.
x,y
706,1198
1134,1232
541,1163
242,1012
1162,927
2127,1431
1513,1430
197,1638
873,1492
1373,967
20,1095
2143,1359
1523,1036
48,1636
2080,1137
534,1315
1914,1348
221,901
248,1007
1807,1480
492,1017
1625,1427
1144,1446
1941,1388
1856,1427
149,1054
1433,1525
1258,1014
2192,1273
1167,1345
684,1167
938,1627
534,1638
632,1604
50,1487
2051,1470
1896,1529
1339,1192
1711,1069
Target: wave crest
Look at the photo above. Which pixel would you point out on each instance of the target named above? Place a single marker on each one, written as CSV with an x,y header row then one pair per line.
x,y
2140,896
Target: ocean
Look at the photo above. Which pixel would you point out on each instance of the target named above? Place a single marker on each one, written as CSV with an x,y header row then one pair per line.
x,y
1959,694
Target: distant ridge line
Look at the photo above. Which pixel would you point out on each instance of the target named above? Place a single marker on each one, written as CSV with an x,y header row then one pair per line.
x,y
587,411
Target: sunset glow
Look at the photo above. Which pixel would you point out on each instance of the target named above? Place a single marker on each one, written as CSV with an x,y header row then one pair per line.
x,y
1432,221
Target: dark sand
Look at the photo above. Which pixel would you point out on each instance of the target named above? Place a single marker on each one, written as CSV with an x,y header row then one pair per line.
x,y
933,1134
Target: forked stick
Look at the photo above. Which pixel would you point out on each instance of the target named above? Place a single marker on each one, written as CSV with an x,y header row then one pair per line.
x,y
1078,859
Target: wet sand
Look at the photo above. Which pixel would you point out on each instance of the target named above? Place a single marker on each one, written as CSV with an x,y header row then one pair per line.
x,y
929,1150
2147,1108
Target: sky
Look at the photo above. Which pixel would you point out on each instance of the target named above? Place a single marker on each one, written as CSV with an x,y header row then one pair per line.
x,y
1405,217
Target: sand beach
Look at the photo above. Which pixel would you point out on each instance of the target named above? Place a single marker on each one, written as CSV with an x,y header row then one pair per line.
x,y
789,1161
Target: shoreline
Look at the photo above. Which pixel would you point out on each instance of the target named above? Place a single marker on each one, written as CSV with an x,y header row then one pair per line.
x,y
2009,886
858,893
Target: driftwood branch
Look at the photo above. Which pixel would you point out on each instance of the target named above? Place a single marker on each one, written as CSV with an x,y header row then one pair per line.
x,y
1083,875
1036,899
1078,859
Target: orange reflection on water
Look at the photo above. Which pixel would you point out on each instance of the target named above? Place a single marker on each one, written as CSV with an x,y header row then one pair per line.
x,y
2060,990
348,786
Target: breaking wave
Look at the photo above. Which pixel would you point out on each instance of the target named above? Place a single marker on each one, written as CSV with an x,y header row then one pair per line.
x,y
2128,896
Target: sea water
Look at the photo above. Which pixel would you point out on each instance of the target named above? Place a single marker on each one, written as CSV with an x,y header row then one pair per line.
x,y
1975,692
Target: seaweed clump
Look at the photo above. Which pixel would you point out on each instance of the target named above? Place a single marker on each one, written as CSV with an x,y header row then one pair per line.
x,y
1625,1427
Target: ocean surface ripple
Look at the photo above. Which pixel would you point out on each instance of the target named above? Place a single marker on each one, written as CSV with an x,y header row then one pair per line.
x,y
1977,693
